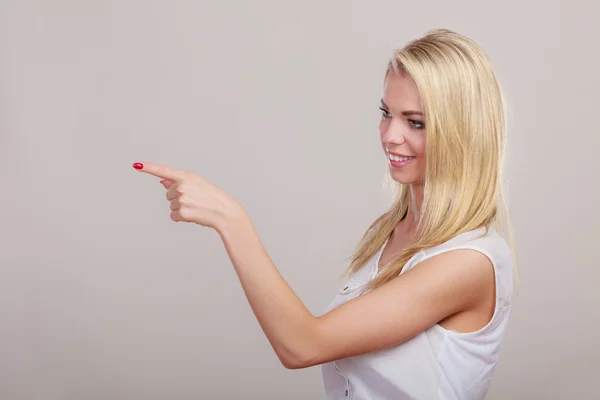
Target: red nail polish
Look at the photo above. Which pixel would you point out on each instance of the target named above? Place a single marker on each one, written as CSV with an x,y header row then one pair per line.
x,y
138,165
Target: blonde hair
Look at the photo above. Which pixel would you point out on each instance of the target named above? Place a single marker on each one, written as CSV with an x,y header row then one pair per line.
x,y
465,120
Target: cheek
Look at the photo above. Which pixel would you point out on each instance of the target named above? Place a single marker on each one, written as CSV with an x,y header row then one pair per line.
x,y
422,158
420,146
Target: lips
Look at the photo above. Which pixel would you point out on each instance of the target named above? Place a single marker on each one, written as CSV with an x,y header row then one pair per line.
x,y
399,154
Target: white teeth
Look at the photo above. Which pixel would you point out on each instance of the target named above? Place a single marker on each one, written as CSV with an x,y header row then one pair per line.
x,y
398,159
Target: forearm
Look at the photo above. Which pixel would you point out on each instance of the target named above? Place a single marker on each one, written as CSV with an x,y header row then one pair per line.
x,y
288,324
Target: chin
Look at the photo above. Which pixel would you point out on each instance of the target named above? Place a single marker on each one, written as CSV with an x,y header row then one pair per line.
x,y
403,181
406,179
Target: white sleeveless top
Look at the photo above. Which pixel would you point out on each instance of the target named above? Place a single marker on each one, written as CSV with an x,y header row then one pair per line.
x,y
437,363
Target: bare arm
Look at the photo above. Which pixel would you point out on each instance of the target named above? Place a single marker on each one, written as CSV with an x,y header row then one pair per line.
x,y
389,315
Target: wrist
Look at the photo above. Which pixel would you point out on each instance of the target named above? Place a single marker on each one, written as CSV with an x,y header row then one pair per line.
x,y
234,216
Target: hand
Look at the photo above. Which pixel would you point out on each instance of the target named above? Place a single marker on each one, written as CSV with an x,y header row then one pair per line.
x,y
193,198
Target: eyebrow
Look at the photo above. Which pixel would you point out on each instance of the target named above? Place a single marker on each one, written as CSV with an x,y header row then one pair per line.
x,y
407,112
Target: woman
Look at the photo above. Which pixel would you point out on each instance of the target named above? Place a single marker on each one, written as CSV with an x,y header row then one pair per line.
x,y
427,300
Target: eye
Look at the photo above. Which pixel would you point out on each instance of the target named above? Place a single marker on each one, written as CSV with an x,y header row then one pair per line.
x,y
385,113
420,126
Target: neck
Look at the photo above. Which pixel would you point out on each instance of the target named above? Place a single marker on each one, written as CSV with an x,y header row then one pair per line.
x,y
414,208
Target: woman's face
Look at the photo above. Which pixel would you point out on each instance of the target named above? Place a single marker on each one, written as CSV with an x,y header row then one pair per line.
x,y
402,129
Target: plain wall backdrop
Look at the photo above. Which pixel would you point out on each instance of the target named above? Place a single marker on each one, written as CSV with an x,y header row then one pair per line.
x,y
102,296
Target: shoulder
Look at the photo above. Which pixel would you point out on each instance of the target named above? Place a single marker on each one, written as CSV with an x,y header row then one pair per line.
x,y
490,245
456,271
487,255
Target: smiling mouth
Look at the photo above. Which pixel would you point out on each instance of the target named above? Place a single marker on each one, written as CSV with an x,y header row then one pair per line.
x,y
396,158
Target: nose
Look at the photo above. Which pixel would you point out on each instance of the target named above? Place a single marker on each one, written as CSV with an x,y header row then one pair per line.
x,y
394,133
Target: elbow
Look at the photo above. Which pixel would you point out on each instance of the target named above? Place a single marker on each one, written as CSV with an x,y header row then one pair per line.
x,y
296,363
293,360
303,352
298,358
290,364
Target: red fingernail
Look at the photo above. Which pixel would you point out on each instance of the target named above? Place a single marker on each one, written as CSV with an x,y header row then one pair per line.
x,y
138,165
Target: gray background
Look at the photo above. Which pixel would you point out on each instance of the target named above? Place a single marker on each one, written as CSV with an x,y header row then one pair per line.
x,y
102,296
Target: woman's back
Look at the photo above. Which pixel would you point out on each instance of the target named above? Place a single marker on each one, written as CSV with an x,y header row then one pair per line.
x,y
437,363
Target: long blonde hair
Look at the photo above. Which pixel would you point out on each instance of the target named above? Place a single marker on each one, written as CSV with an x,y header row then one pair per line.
x,y
465,120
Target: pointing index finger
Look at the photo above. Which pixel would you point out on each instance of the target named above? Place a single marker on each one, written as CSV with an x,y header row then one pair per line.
x,y
160,171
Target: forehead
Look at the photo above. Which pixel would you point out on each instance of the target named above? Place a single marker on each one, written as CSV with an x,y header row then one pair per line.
x,y
400,92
